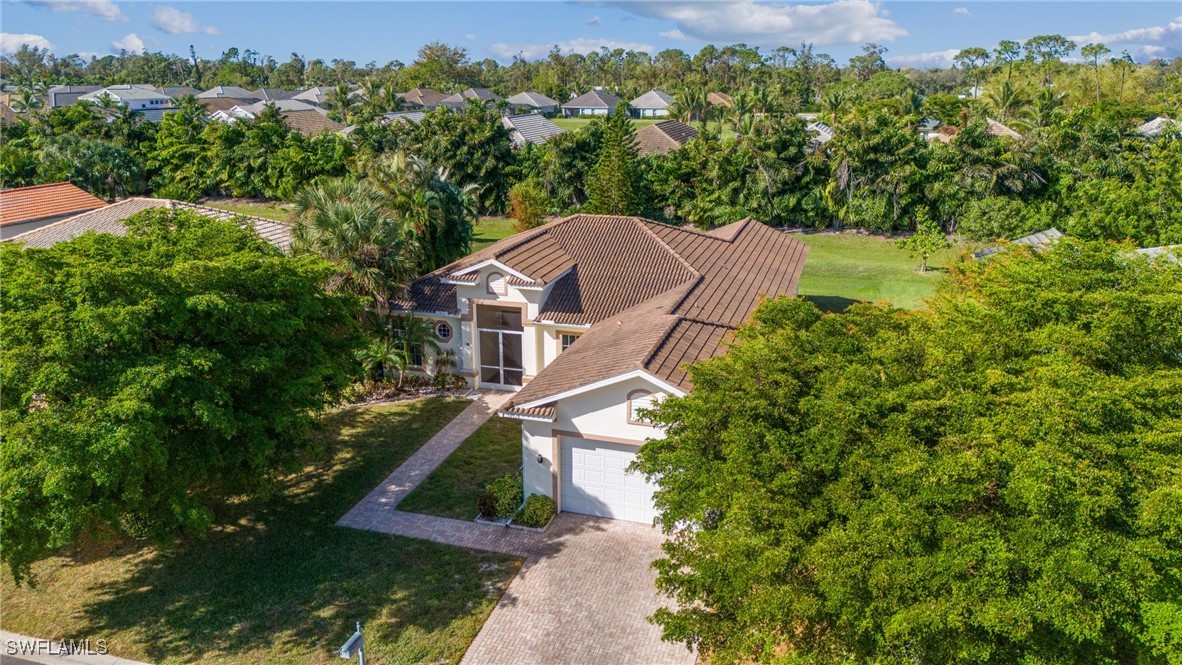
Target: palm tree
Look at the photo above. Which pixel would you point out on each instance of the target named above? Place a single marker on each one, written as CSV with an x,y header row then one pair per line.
x,y
1043,111
832,104
28,100
340,102
1007,101
380,356
348,223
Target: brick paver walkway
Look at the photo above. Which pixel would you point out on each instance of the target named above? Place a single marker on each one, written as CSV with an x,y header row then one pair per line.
x,y
582,594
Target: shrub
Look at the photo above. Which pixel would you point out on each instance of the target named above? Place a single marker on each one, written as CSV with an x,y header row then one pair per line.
x,y
528,203
507,493
537,511
487,504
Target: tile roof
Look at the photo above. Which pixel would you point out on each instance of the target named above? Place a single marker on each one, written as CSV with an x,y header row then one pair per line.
x,y
533,99
596,99
274,94
821,132
234,91
283,105
720,99
65,95
125,92
422,97
663,138
7,115
997,129
316,95
1158,125
310,122
529,128
214,104
1039,240
25,204
110,220
405,116
653,99
177,91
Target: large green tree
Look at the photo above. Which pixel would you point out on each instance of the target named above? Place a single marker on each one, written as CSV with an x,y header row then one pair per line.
x,y
614,186
997,479
149,377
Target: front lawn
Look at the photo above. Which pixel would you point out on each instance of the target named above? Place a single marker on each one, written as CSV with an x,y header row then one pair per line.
x,y
453,488
846,267
276,210
277,581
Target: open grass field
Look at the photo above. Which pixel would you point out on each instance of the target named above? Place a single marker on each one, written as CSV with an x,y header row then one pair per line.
x,y
489,230
845,267
277,582
453,488
276,210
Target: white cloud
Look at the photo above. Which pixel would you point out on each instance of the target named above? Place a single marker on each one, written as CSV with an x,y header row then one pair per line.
x,y
674,34
580,45
1162,41
962,11
175,22
469,36
931,60
11,42
104,9
130,43
775,24
594,21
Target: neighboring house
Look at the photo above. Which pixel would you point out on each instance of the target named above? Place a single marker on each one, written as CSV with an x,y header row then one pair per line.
x,y
532,102
231,91
652,104
110,220
303,117
422,98
7,115
929,128
591,319
720,99
596,102
1159,125
997,129
274,94
1040,240
24,209
461,99
529,128
58,96
317,96
404,116
134,97
175,92
663,138
820,134
215,104
1171,253
311,123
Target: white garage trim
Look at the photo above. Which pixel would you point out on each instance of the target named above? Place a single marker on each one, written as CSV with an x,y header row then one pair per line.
x,y
594,481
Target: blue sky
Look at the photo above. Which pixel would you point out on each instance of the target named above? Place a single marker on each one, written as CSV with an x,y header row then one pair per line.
x,y
916,33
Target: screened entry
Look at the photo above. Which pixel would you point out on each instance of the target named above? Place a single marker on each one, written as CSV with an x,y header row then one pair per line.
x,y
500,332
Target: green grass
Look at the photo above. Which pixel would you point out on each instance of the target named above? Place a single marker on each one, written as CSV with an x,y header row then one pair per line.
x,y
575,124
276,581
491,229
453,489
276,210
844,267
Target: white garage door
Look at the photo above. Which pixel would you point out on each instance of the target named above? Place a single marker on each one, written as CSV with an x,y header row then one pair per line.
x,y
595,481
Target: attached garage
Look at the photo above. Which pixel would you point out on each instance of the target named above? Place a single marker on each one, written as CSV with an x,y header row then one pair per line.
x,y
595,481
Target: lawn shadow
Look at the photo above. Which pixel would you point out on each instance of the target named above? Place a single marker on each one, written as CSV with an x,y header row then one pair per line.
x,y
280,576
835,304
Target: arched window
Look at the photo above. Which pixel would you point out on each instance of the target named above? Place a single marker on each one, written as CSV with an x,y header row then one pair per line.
x,y
496,283
639,400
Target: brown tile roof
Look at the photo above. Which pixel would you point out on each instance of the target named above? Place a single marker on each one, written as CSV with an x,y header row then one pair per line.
x,y
720,99
110,220
310,123
663,138
7,115
998,129
25,204
423,97
214,104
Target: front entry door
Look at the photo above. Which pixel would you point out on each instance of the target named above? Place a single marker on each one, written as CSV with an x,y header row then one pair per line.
x,y
500,331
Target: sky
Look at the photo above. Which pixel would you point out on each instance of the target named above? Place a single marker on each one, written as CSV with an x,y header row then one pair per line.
x,y
916,34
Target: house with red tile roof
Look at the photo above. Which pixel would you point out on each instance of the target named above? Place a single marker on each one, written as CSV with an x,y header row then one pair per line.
x,y
589,320
23,209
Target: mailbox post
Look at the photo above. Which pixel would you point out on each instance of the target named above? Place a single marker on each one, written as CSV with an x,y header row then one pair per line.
x,y
354,645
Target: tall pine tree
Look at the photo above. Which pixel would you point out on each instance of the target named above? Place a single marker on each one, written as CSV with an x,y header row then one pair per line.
x,y
615,186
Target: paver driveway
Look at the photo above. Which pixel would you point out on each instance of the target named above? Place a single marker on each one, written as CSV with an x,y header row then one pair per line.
x,y
583,599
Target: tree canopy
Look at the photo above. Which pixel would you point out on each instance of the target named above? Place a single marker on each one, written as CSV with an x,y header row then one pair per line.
x,y
150,376
996,479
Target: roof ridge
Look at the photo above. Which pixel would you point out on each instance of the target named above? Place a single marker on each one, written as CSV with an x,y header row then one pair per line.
x,y
677,255
678,320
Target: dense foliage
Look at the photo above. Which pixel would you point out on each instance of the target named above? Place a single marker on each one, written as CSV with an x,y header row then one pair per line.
x,y
995,479
147,377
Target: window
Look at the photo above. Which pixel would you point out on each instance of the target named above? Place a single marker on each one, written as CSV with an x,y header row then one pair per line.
x,y
496,283
443,330
566,339
639,400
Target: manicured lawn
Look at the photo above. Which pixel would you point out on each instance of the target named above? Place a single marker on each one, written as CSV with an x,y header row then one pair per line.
x,y
844,267
453,489
491,229
276,210
277,582
574,124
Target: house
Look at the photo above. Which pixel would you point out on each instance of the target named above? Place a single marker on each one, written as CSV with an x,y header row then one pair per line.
x,y
134,97
1040,240
317,95
422,98
305,118
58,96
652,104
1172,253
820,134
215,104
24,209
110,219
404,116
529,128
720,99
1159,125
596,102
274,94
7,115
532,102
311,122
232,91
461,99
997,129
175,92
591,319
663,137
